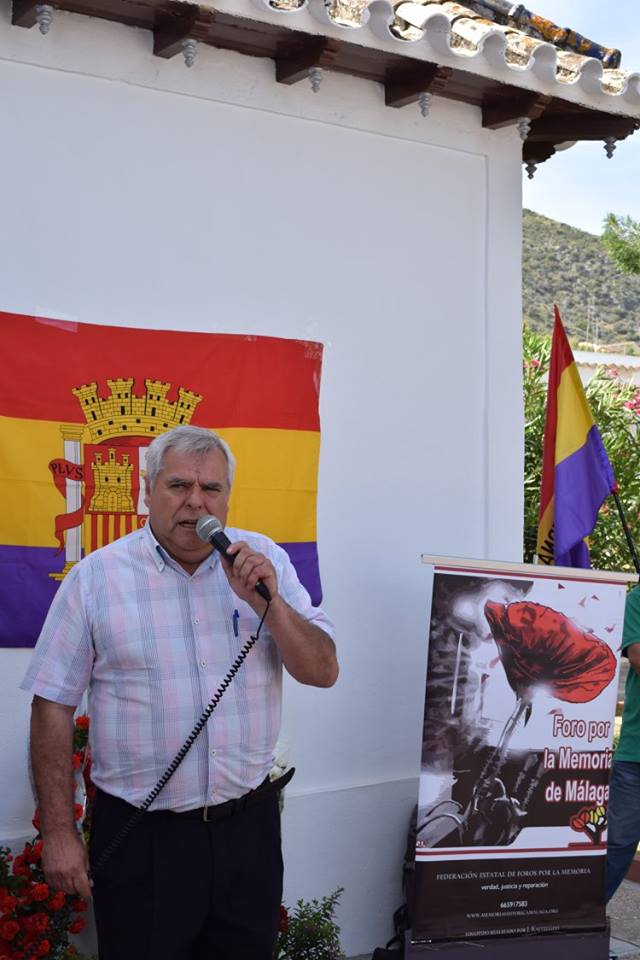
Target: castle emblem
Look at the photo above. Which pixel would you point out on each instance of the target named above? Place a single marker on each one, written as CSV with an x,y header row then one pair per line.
x,y
113,484
101,472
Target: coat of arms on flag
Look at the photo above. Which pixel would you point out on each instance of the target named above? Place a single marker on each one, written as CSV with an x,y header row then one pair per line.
x,y
79,405
102,481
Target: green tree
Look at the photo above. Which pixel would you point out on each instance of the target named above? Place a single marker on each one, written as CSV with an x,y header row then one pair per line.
x,y
616,410
621,239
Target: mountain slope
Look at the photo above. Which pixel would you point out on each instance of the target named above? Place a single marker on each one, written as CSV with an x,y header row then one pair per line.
x,y
561,264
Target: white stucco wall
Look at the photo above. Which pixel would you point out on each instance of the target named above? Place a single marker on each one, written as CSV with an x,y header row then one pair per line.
x,y
134,191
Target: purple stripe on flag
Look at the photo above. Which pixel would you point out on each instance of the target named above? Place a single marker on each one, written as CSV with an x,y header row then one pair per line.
x,y
304,557
582,482
26,591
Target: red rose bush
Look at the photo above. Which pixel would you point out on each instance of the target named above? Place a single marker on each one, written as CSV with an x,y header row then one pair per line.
x,y
36,921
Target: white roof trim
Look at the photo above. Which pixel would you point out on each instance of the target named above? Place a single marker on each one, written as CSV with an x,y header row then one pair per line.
x,y
426,32
624,361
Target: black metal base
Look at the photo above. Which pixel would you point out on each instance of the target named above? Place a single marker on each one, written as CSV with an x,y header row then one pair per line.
x,y
556,946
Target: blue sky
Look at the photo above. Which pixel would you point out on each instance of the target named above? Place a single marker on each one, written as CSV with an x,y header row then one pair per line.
x,y
580,186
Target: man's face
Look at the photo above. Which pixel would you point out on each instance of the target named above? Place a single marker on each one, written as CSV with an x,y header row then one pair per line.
x,y
187,487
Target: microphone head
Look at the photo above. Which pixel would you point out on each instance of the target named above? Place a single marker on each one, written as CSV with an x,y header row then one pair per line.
x,y
206,527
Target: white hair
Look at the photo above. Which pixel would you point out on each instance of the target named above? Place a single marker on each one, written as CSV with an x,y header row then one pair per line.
x,y
189,440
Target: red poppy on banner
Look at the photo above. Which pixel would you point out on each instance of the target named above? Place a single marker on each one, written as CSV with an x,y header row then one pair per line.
x,y
79,405
539,646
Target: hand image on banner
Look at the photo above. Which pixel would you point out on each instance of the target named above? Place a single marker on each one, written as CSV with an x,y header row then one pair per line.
x,y
79,405
576,473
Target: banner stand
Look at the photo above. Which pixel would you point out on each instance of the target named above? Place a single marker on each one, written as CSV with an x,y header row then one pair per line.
x,y
520,701
586,946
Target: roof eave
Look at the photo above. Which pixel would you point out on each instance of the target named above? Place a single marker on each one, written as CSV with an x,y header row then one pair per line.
x,y
548,109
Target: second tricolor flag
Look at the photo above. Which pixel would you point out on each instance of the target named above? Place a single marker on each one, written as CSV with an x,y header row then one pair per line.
x,y
576,473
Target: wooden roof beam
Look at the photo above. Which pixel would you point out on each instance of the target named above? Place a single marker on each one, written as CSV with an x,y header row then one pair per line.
x,y
314,53
407,86
174,25
504,112
537,152
24,13
585,126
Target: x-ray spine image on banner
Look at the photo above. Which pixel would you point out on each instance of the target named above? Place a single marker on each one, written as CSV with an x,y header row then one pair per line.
x,y
520,703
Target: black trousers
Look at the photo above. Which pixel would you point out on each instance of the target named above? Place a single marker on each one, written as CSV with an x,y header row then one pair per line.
x,y
186,889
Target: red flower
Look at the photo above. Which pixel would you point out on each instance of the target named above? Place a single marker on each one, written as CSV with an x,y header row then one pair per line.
x,y
33,852
40,892
8,929
7,904
82,722
76,760
539,646
77,925
39,922
79,906
20,867
78,811
57,900
283,923
43,949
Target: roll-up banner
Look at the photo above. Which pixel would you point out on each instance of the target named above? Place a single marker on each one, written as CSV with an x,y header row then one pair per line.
x,y
520,704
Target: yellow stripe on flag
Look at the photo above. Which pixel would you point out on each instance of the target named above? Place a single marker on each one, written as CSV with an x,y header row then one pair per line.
x,y
544,548
274,490
30,500
574,415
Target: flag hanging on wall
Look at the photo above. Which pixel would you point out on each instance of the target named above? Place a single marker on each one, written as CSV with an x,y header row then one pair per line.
x,y
576,473
80,403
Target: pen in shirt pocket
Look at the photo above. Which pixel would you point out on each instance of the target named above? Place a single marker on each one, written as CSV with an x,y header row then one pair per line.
x,y
234,619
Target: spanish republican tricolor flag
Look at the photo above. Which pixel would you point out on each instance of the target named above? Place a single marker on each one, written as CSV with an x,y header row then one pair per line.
x,y
576,473
79,405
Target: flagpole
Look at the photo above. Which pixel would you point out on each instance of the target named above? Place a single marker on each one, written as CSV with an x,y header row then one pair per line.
x,y
627,532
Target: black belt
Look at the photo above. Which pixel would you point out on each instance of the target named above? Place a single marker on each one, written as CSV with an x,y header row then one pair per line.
x,y
217,811
221,811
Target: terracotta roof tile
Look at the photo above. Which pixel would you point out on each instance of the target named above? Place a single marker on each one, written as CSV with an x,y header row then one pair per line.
x,y
459,29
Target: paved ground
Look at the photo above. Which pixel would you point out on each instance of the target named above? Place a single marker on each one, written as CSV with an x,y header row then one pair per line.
x,y
624,913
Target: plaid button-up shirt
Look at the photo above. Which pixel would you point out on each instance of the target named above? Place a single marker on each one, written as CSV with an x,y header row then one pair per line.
x,y
152,645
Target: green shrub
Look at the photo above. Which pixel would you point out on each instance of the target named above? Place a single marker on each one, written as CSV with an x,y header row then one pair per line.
x,y
309,931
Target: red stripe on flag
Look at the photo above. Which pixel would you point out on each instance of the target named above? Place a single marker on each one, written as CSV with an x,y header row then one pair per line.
x,y
561,358
245,381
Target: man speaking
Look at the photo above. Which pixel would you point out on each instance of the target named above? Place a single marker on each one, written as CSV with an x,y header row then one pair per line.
x,y
151,625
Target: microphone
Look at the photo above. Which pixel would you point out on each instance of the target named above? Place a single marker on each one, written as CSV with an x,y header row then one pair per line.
x,y
211,531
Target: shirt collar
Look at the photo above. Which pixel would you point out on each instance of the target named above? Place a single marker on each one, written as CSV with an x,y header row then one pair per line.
x,y
162,559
